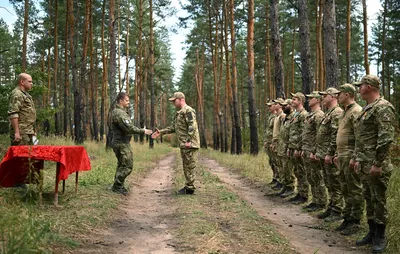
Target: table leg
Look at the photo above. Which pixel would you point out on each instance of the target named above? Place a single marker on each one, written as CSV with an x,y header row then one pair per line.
x,y
76,182
56,188
40,187
63,186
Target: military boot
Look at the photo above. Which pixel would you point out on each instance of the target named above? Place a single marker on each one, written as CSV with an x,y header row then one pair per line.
x,y
324,214
316,207
309,206
120,190
370,236
300,200
352,228
334,216
186,190
284,188
277,186
379,242
273,182
287,193
344,224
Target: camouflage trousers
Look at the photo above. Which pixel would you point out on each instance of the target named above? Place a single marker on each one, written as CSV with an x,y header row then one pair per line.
x,y
124,154
332,181
351,190
315,177
26,140
300,173
272,163
189,160
288,177
374,188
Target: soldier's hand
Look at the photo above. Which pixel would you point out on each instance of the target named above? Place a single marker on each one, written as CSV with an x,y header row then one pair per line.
x,y
375,171
148,132
356,167
156,134
352,163
302,154
297,153
288,152
188,144
328,159
335,160
17,137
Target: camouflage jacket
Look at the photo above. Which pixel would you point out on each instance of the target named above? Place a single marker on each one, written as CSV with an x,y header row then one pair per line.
x,y
21,106
277,128
296,130
284,134
346,138
269,129
326,134
122,126
185,127
375,132
311,125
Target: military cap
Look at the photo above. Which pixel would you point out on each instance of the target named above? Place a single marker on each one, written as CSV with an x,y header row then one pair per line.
x,y
299,95
286,102
347,88
177,95
314,94
270,103
370,80
279,100
330,91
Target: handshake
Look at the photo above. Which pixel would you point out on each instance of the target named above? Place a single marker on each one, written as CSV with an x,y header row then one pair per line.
x,y
154,134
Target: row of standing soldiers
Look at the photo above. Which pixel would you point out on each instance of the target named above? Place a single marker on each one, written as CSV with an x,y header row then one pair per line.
x,y
341,154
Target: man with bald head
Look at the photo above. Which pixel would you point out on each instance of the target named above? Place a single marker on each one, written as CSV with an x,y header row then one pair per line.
x,y
21,112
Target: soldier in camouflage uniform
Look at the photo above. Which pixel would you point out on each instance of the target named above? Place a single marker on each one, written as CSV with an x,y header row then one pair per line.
x,y
286,162
268,141
315,175
186,129
295,146
122,129
21,112
326,148
274,147
374,135
345,141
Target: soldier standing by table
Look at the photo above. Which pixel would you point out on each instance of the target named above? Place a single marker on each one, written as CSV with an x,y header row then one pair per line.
x,y
374,135
345,140
22,112
295,146
315,175
185,127
326,148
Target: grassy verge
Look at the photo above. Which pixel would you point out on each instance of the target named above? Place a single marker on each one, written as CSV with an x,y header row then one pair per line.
x,y
216,220
26,227
256,168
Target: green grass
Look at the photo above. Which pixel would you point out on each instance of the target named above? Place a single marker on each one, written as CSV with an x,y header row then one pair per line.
x,y
27,227
216,220
256,168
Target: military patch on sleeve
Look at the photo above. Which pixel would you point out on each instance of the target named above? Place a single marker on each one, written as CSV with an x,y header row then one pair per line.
x,y
387,117
190,116
127,122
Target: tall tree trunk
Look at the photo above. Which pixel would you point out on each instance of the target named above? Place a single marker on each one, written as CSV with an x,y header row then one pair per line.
x,y
365,30
199,74
55,77
238,131
81,93
331,60
118,44
293,62
305,52
78,137
321,63
228,87
276,45
25,35
214,59
251,100
151,76
104,76
112,66
67,116
127,86
93,83
383,54
348,40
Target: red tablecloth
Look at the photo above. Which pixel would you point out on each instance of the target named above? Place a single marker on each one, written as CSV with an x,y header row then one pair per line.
x,y
14,167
